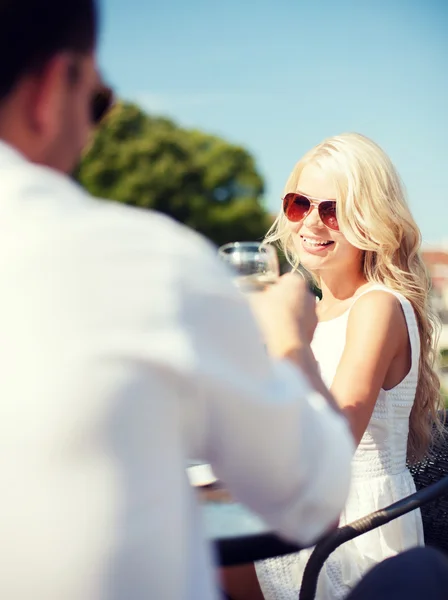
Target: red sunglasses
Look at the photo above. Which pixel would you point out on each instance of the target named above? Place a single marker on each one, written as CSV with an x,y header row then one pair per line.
x,y
297,206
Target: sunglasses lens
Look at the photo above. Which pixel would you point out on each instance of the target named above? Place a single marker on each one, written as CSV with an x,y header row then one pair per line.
x,y
327,213
101,103
295,207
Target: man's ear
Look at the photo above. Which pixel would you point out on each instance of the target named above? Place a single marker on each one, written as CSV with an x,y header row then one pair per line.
x,y
48,94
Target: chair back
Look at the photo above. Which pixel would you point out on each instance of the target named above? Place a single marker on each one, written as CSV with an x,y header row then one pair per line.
x,y
434,514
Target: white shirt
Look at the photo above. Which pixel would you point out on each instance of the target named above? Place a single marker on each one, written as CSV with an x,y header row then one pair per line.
x,y
124,350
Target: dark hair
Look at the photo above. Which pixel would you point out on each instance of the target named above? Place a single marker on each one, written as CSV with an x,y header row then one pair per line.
x,y
32,32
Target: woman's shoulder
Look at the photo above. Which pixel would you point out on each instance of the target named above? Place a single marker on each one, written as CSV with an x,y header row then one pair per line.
x,y
380,310
375,302
380,295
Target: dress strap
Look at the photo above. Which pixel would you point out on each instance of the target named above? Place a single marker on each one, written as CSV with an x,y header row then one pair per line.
x,y
410,317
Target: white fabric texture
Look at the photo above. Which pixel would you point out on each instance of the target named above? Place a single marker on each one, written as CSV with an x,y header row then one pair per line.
x,y
125,350
379,478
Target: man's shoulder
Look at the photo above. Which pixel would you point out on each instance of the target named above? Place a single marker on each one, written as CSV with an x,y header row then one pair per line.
x,y
60,223
62,204
144,229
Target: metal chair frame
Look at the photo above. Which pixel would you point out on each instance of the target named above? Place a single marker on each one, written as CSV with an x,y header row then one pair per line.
x,y
353,530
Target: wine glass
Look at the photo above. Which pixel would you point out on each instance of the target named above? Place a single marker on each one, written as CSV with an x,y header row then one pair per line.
x,y
255,264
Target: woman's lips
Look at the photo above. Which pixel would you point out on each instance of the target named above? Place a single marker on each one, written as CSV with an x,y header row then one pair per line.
x,y
314,245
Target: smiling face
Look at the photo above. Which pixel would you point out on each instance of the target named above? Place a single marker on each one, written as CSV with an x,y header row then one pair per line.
x,y
318,247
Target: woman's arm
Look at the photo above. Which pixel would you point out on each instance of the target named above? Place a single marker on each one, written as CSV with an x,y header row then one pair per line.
x,y
376,355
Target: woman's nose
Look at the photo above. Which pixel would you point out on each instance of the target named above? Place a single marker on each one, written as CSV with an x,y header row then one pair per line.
x,y
312,218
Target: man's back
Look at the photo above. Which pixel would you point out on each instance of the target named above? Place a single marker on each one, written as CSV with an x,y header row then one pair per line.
x,y
93,478
124,351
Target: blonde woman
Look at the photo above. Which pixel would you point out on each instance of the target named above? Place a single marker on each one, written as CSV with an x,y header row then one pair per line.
x,y
345,220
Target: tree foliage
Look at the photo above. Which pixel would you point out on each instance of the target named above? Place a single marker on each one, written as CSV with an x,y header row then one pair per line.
x,y
198,179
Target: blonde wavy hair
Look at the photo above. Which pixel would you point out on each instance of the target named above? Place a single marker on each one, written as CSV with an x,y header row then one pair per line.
x,y
374,216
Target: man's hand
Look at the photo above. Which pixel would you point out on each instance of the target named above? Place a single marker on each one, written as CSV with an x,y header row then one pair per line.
x,y
286,313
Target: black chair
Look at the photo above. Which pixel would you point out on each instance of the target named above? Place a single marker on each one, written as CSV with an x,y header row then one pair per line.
x,y
434,513
431,480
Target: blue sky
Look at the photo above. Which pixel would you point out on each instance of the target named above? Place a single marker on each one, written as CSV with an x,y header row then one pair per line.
x,y
279,76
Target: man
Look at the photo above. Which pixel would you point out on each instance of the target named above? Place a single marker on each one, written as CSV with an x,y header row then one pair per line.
x,y
125,350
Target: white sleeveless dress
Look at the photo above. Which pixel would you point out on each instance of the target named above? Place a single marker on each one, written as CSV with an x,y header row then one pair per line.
x,y
379,478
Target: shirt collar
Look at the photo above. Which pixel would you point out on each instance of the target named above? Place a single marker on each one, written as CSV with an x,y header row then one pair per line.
x,y
10,155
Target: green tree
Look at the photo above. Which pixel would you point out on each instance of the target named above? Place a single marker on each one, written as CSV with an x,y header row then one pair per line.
x,y
198,179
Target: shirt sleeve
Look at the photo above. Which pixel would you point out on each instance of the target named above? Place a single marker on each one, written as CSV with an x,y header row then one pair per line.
x,y
272,439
